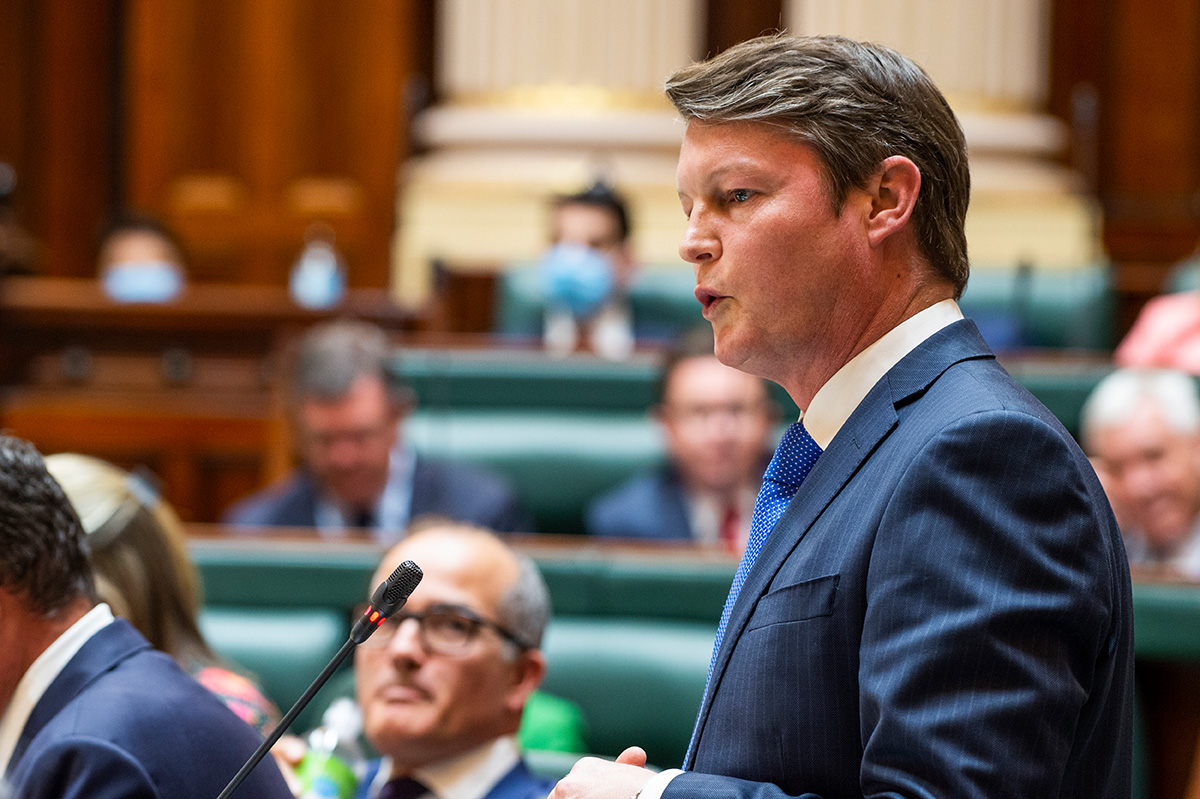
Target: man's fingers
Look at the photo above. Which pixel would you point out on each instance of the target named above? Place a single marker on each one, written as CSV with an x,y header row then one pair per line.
x,y
633,756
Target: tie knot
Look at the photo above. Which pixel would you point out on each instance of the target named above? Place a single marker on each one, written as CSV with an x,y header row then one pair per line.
x,y
795,455
402,788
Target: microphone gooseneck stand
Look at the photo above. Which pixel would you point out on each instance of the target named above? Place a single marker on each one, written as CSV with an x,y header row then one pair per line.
x,y
389,597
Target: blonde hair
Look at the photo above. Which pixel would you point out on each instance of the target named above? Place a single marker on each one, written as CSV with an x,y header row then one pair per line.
x,y
138,552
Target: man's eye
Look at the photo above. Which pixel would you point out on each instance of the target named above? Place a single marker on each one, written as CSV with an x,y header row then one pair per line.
x,y
739,195
450,623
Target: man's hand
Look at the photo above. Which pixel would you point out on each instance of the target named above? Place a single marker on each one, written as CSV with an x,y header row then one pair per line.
x,y
593,778
288,751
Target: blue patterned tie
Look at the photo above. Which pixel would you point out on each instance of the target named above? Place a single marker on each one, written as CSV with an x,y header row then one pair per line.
x,y
794,457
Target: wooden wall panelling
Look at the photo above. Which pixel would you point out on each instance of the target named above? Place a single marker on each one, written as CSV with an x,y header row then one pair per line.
x,y
1149,161
248,122
733,21
182,435
57,75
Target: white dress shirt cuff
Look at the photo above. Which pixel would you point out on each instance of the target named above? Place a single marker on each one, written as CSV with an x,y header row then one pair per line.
x,y
658,783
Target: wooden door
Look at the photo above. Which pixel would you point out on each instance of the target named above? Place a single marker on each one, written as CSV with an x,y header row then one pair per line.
x,y
246,123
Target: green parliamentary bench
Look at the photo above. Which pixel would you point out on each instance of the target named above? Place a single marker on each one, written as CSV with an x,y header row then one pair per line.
x,y
630,621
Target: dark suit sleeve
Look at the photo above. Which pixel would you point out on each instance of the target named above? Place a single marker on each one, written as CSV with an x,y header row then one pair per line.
x,y
87,768
991,633
990,616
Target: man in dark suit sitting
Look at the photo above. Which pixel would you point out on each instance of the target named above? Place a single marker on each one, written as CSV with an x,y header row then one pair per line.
x,y
90,710
934,601
718,424
346,414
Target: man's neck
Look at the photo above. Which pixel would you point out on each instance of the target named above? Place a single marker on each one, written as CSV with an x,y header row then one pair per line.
x,y
895,310
25,634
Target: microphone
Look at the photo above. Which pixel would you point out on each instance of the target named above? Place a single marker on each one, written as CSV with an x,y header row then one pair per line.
x,y
388,598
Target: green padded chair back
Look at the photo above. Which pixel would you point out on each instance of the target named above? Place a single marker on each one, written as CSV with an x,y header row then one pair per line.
x,y
657,668
1043,306
661,299
285,648
557,462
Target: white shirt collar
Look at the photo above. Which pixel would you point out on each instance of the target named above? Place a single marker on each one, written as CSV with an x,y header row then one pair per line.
x,y
392,509
833,403
467,776
41,673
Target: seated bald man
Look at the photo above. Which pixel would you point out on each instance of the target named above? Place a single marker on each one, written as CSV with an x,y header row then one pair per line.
x,y
444,682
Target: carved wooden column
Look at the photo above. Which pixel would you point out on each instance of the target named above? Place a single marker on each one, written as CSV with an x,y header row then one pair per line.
x,y
538,97
991,58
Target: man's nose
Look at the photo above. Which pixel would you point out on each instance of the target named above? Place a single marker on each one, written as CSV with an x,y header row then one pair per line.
x,y
406,642
699,244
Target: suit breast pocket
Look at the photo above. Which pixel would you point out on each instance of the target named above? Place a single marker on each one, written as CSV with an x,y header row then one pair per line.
x,y
810,599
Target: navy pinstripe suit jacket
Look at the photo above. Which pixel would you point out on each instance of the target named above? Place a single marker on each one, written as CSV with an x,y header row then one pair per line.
x,y
943,611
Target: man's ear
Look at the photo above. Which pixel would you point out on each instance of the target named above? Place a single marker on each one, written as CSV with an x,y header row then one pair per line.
x,y
529,671
894,188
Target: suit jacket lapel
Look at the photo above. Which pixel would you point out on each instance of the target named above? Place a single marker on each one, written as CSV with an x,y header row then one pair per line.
x,y
874,418
101,653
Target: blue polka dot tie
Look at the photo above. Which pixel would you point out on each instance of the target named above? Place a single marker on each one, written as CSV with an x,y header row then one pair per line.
x,y
794,457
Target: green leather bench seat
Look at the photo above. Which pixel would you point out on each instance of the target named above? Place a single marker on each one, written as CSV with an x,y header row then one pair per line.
x,y
508,379
629,643
516,380
1166,621
1046,307
285,647
661,299
557,462
638,681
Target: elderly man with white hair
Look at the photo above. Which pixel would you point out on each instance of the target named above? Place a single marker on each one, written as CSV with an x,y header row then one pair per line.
x,y
1142,429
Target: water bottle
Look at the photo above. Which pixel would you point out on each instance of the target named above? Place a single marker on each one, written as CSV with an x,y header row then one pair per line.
x,y
334,763
318,278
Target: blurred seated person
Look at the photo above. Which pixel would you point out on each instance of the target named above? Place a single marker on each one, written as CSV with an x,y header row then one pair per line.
x,y
143,572
18,249
141,260
586,275
88,709
346,415
444,682
1141,427
719,424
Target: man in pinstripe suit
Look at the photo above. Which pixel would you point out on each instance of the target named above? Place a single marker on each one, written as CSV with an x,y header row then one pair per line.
x,y
942,608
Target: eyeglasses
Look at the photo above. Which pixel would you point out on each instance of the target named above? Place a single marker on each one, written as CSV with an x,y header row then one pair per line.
x,y
441,629
705,414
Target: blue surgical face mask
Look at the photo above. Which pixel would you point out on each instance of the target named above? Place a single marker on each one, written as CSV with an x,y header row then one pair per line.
x,y
318,279
142,281
577,278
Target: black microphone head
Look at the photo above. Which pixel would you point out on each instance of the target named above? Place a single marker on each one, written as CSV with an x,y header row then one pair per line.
x,y
393,592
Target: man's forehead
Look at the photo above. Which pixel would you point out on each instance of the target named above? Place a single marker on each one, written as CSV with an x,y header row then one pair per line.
x,y
711,151
476,564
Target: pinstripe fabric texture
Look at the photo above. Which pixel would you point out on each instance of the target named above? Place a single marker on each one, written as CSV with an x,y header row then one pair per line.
x,y
794,457
947,611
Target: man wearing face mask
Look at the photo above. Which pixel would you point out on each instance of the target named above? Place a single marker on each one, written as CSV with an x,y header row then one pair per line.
x,y
586,275
141,260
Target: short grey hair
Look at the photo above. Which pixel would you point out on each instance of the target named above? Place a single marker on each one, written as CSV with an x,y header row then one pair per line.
x,y
854,104
1122,393
333,355
524,608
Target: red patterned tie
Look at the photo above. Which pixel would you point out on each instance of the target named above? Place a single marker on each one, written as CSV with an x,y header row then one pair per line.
x,y
731,528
